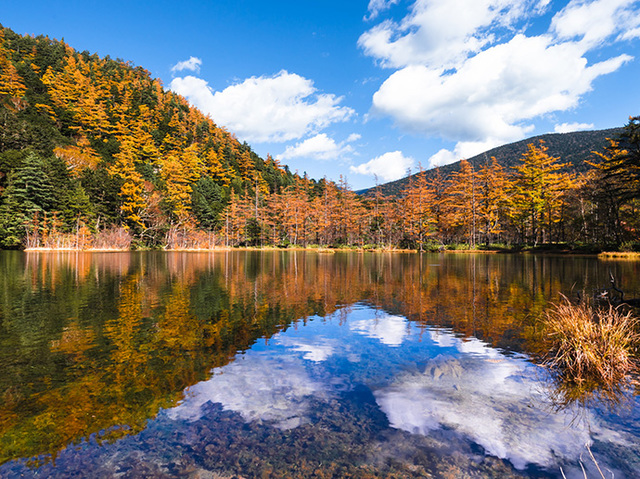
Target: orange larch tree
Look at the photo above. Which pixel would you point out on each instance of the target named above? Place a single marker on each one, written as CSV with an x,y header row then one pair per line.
x,y
462,195
417,200
493,199
539,194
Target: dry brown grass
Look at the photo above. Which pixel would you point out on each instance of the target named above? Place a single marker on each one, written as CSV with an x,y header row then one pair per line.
x,y
620,255
592,345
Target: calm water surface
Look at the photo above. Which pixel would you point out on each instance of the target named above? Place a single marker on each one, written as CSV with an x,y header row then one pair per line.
x,y
296,364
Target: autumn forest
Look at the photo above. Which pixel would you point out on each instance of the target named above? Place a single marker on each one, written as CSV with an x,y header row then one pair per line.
x,y
94,153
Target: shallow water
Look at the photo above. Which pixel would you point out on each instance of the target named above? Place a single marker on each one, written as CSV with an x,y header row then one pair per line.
x,y
296,364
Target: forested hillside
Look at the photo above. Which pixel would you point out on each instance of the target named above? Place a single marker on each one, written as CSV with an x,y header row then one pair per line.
x,y
576,149
94,153
92,145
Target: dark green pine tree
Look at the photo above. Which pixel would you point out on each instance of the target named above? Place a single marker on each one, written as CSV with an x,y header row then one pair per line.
x,y
12,223
623,164
208,200
29,194
30,186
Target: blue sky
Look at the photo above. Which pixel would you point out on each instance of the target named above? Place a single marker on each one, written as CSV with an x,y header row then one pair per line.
x,y
371,87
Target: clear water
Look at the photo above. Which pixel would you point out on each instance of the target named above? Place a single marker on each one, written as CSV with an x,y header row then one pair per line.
x,y
296,364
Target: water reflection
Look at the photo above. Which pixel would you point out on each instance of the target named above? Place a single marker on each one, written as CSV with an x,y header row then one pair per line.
x,y
390,330
259,387
99,344
493,399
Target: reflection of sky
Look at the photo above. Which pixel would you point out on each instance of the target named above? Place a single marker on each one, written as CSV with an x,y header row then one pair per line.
x,y
257,386
435,380
493,399
390,330
316,351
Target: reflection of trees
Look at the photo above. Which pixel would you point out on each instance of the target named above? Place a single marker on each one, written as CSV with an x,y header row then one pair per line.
x,y
101,342
616,397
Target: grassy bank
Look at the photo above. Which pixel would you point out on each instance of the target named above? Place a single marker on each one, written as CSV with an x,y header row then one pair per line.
x,y
559,249
619,255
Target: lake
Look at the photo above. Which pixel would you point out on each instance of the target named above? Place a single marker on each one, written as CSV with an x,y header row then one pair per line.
x,y
298,364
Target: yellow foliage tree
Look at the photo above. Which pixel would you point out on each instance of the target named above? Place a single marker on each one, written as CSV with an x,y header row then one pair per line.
x,y
539,193
79,156
417,199
133,190
179,172
12,88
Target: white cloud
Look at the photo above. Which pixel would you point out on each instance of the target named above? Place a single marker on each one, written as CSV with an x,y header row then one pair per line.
x,y
378,6
494,92
630,34
275,108
192,64
443,157
442,33
390,166
196,90
318,350
462,151
592,22
320,147
468,72
569,127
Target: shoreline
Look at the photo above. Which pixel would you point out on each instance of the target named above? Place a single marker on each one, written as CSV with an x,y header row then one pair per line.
x,y
607,255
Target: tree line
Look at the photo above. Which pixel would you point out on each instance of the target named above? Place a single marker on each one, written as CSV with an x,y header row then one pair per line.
x,y
94,153
538,201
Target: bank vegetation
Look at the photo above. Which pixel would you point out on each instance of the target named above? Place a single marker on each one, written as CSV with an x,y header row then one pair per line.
x,y
96,154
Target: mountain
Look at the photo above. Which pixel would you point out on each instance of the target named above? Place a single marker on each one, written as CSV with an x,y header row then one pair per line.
x,y
107,144
573,148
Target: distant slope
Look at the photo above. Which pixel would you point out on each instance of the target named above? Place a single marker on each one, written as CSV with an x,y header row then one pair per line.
x,y
573,148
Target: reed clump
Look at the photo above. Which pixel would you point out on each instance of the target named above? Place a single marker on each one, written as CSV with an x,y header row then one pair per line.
x,y
596,345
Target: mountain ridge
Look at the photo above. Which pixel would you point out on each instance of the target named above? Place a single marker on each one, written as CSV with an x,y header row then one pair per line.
x,y
573,147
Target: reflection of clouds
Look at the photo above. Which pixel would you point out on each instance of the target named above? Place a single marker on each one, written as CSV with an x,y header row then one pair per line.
x,y
317,351
390,330
443,338
256,386
475,390
488,397
476,347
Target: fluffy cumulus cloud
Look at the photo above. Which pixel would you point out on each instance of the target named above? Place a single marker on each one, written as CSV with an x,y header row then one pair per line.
x,y
320,147
463,150
276,108
192,64
443,33
467,71
390,166
593,22
569,127
317,350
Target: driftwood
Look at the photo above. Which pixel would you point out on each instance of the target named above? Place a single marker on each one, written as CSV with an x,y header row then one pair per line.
x,y
634,302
